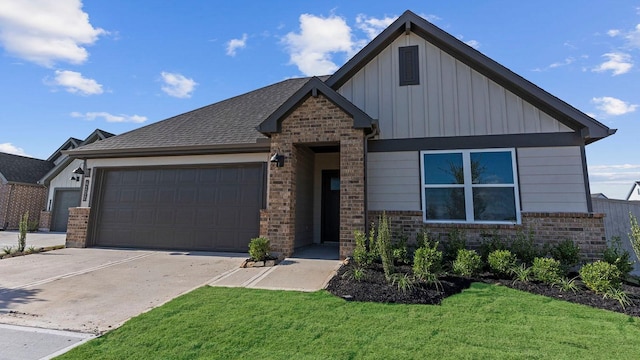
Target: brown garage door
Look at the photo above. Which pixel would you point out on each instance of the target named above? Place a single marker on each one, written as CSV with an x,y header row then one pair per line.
x,y
205,208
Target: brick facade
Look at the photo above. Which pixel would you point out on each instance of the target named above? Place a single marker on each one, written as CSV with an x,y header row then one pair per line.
x,y
316,121
77,228
45,221
586,230
16,199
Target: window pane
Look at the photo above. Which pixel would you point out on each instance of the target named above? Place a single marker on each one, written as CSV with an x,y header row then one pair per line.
x,y
443,169
494,204
445,204
491,167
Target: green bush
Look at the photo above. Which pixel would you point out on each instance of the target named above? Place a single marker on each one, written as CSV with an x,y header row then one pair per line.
x,y
427,262
601,277
259,249
467,263
23,227
524,247
634,235
491,243
567,252
360,253
400,251
547,270
501,262
616,255
384,246
456,240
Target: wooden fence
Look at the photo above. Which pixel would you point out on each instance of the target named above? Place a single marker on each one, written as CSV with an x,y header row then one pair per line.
x,y
616,221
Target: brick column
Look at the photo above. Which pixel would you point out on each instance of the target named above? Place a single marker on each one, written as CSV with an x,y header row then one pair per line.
x,y
45,221
77,227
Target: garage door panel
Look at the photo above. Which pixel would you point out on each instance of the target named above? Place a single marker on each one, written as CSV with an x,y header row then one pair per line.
x,y
209,208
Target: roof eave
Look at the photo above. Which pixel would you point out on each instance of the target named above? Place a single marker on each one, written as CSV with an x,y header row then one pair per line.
x,y
259,146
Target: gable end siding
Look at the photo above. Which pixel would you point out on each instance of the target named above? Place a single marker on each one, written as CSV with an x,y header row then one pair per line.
x,y
451,99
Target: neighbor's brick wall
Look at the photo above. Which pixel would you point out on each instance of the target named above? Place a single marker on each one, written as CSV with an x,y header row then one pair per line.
x,y
77,227
316,120
16,199
586,230
45,221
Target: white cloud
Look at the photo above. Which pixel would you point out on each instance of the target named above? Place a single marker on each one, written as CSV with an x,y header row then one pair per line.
x,y
373,26
612,106
567,61
312,49
234,44
618,63
473,43
613,32
177,85
9,148
76,84
121,118
632,36
45,32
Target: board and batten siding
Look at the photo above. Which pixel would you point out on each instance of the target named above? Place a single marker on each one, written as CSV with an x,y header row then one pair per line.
x,y
451,100
550,180
63,180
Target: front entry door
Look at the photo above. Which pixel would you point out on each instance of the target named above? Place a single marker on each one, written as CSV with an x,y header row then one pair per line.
x,y
330,205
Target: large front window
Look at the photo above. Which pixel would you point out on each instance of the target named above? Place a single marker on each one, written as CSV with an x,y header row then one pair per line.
x,y
478,186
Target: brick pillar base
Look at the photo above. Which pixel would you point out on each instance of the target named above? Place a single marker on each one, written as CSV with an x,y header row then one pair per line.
x,y
45,221
77,227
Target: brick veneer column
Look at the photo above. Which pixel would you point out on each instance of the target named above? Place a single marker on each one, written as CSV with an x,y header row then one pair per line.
x,y
45,221
316,120
77,227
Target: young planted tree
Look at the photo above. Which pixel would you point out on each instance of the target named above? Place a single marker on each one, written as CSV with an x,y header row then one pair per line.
x,y
23,227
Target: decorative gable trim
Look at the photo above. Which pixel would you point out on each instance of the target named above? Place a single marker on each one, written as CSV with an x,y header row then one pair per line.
x,y
272,124
590,129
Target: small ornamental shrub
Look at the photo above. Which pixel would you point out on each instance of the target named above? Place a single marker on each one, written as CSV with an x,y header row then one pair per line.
x,y
547,270
23,227
568,253
618,256
360,254
467,263
521,273
404,282
400,251
373,243
456,240
427,262
634,234
384,246
491,243
501,262
601,277
524,247
259,249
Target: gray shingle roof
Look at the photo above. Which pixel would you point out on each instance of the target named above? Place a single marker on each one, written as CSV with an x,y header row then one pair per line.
x,y
21,169
226,123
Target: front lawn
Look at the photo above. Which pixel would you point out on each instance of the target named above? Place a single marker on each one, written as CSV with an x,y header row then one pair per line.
x,y
483,322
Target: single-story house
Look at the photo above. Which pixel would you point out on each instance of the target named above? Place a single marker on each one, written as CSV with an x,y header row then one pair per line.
x,y
417,124
19,189
63,184
634,193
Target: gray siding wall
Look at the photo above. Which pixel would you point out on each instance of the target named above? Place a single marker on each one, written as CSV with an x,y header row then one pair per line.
x,y
616,222
551,179
451,100
393,181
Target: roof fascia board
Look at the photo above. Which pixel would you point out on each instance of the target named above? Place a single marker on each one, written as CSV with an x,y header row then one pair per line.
x,y
558,109
46,179
170,151
58,152
272,124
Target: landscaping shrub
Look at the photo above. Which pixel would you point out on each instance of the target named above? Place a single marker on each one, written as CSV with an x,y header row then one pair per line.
x,y
547,270
616,255
423,238
23,227
259,249
427,262
456,241
524,247
634,235
467,263
384,246
601,277
360,253
568,253
400,251
501,262
491,243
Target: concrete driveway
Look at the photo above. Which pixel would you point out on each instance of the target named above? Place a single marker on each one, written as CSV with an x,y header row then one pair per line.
x,y
36,239
94,290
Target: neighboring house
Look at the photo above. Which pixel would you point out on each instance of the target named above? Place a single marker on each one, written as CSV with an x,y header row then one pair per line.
x,y
19,189
417,124
634,194
64,185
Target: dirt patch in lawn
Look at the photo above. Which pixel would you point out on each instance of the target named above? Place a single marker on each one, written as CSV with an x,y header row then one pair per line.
x,y
374,288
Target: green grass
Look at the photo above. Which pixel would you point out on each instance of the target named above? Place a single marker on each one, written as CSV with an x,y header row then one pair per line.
x,y
484,322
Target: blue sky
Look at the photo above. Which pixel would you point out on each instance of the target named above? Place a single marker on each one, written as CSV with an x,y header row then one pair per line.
x,y
69,66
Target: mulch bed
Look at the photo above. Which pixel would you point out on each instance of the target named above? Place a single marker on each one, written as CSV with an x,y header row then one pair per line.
x,y
375,288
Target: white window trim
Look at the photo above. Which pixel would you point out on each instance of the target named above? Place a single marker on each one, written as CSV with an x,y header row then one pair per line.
x,y
468,186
